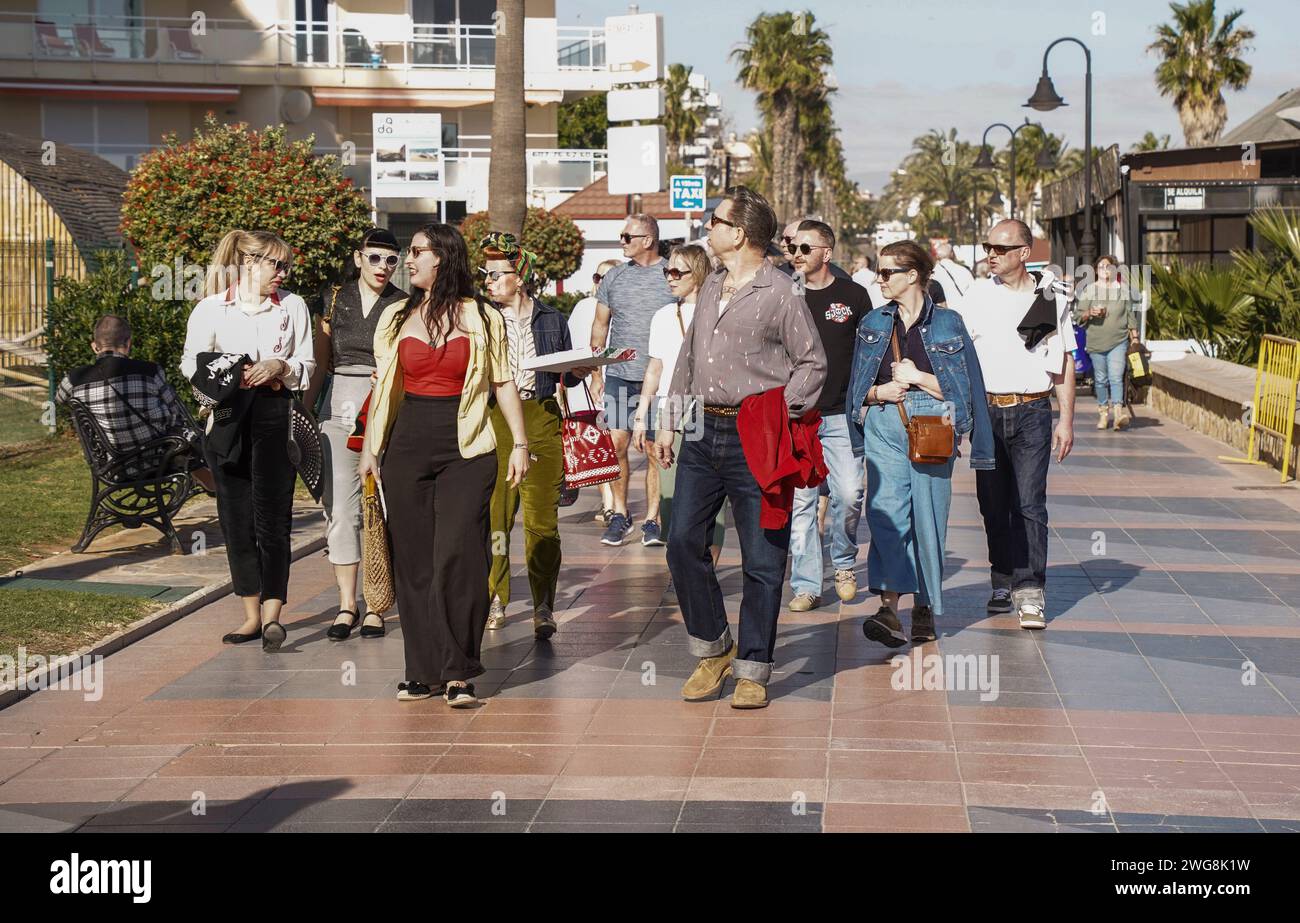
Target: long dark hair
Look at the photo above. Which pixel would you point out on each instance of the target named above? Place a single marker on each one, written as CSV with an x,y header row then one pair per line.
x,y
451,286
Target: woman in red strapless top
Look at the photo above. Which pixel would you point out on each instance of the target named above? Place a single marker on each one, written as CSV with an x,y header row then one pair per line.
x,y
433,371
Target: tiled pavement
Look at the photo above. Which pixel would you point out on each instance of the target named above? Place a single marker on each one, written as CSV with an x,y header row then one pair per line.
x,y
1163,695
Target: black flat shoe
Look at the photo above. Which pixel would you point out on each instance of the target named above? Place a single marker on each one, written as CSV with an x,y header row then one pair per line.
x,y
236,638
338,631
273,635
373,631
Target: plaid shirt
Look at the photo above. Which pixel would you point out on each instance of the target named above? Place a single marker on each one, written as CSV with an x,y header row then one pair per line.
x,y
113,382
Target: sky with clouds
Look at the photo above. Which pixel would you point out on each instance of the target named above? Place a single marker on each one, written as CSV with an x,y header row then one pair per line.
x,y
907,66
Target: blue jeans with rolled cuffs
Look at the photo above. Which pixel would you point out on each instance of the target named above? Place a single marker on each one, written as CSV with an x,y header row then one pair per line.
x,y
907,506
1108,374
711,469
846,490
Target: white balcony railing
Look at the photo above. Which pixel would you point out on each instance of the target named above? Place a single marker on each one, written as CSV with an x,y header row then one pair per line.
x,y
384,42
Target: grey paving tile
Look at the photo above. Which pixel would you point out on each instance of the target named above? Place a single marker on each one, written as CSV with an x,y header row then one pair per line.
x,y
463,810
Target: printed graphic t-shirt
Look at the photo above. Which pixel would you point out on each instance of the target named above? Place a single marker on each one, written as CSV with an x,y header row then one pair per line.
x,y
836,310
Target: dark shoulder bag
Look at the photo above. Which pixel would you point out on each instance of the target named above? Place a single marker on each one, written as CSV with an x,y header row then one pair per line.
x,y
931,440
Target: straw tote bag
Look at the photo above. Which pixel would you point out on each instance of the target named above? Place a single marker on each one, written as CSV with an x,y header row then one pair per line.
x,y
376,560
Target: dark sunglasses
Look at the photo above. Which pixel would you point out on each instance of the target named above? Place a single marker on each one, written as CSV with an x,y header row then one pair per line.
x,y
886,273
597,276
376,258
675,274
714,221
281,266
628,238
1001,249
805,249
496,274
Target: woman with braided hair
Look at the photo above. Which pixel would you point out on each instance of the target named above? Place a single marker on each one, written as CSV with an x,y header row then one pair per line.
x,y
533,328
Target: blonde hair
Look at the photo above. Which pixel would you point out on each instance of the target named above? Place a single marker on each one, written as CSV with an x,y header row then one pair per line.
x,y
223,271
696,260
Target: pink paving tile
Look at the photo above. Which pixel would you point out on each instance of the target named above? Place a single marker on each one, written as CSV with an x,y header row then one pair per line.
x,y
483,785
771,726
1026,770
895,791
618,788
997,714
1045,797
345,785
1199,802
503,760
920,817
1015,733
723,788
1127,773
889,730
900,765
632,761
217,788
783,763
54,768
64,791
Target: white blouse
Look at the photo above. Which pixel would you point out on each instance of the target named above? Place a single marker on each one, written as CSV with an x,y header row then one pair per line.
x,y
279,328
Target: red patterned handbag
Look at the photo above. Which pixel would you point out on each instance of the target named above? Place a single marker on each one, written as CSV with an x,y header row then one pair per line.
x,y
589,456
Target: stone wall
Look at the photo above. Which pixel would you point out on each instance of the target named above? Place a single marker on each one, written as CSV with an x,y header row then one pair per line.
x,y
1213,397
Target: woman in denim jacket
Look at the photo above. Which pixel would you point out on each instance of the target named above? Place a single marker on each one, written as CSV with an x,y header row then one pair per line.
x,y
907,503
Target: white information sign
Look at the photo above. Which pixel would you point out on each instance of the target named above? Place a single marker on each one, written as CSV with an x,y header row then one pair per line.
x,y
634,47
407,160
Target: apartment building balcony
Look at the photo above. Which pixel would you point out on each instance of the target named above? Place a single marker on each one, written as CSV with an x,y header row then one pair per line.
x,y
361,50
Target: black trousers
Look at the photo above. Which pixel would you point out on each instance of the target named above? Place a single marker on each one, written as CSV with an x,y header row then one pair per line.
x,y
438,504
255,499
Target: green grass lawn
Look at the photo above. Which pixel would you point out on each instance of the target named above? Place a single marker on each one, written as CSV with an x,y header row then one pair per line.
x,y
57,622
44,497
20,422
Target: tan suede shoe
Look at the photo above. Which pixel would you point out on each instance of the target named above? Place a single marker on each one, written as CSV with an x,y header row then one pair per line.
x,y
706,682
749,694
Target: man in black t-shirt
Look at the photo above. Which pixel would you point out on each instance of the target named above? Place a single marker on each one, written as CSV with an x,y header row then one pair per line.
x,y
837,305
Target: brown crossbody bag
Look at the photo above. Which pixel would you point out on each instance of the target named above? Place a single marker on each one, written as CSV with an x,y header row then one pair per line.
x,y
930,440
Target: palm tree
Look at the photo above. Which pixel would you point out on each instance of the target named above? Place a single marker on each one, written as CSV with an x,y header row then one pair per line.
x,y
784,60
1151,142
507,170
939,169
1200,56
682,107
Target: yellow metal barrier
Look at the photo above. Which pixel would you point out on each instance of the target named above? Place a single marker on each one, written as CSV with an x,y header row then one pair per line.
x,y
1274,408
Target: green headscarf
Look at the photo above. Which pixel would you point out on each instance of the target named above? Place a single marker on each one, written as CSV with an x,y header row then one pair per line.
x,y
523,261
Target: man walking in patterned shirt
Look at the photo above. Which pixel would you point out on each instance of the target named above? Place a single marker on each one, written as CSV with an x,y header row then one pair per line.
x,y
130,398
752,333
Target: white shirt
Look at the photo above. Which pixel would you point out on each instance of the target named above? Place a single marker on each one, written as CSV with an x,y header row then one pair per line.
x,y
867,279
666,340
991,312
221,324
956,280
581,320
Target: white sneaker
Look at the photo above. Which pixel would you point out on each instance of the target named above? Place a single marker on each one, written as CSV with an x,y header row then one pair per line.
x,y
1032,616
496,615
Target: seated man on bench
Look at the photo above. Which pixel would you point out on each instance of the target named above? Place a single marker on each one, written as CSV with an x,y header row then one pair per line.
x,y
131,399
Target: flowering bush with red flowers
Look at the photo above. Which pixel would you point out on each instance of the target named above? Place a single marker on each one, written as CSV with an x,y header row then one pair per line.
x,y
182,198
554,238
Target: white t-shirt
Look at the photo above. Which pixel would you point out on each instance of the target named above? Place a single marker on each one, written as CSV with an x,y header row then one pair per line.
x,y
955,279
867,279
581,320
991,312
666,340
278,328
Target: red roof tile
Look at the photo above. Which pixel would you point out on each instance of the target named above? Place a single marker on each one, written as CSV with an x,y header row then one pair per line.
x,y
596,203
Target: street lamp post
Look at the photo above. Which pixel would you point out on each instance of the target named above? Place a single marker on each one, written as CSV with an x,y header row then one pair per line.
x,y
985,159
1045,99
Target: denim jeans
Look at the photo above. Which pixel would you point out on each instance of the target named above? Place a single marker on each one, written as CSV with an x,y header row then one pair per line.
x,y
846,492
712,468
1108,375
907,506
1013,496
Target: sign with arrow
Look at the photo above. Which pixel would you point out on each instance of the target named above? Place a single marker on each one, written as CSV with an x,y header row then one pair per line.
x,y
634,47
